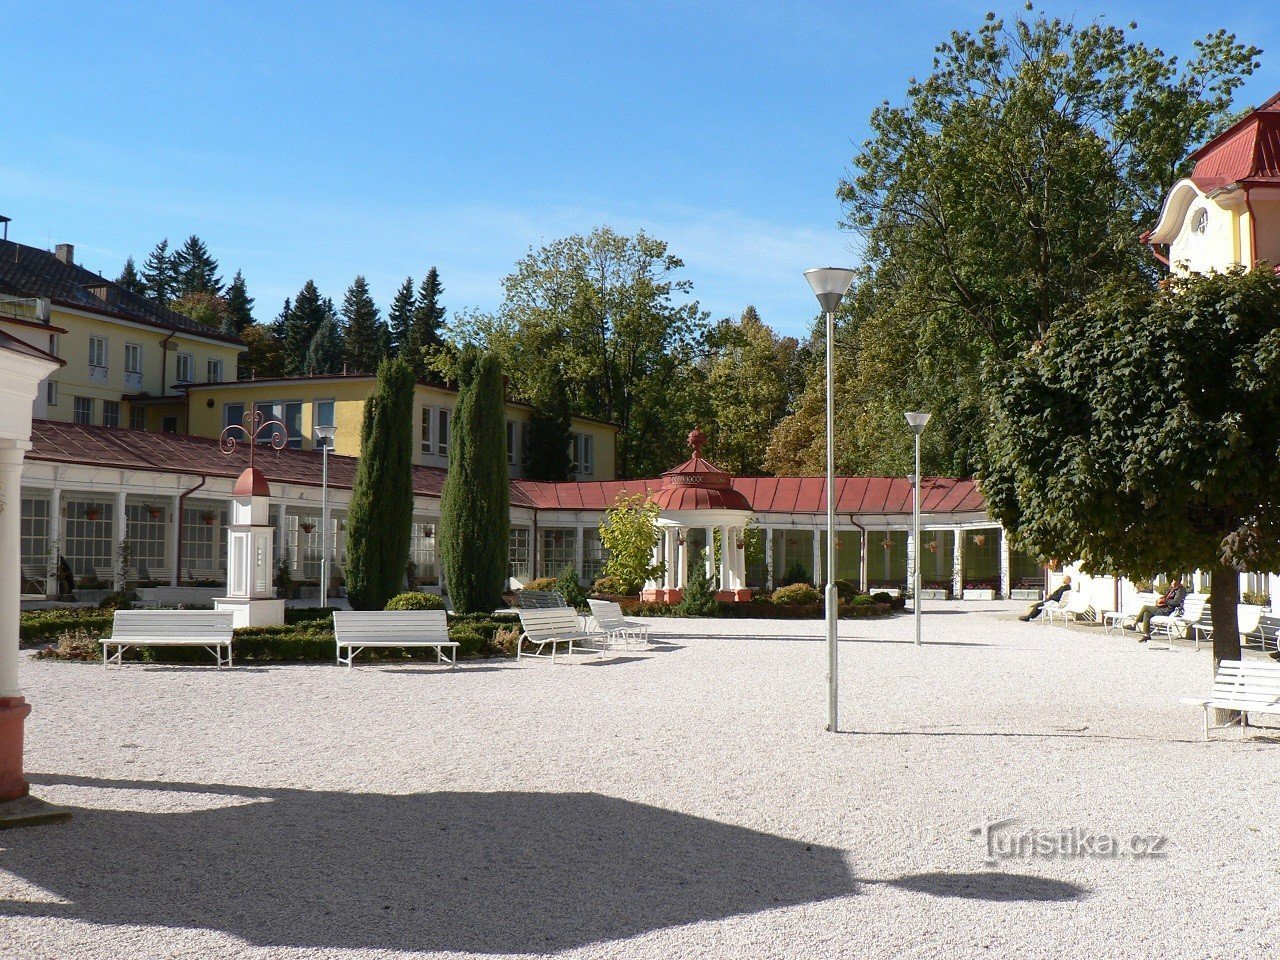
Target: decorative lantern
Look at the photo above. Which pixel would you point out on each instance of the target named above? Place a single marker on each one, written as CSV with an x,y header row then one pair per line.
x,y
207,518
92,512
933,546
154,512
428,530
307,526
887,543
979,538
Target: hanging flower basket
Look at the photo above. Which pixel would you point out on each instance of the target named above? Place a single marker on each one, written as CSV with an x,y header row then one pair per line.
x,y
154,512
887,543
979,538
933,546
207,518
428,530
743,543
92,513
307,526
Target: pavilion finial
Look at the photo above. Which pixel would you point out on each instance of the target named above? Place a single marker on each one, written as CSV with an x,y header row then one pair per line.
x,y
697,440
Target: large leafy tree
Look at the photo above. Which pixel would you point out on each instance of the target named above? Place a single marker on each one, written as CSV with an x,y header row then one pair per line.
x,y
750,377
264,357
549,456
365,334
1143,435
475,511
1013,181
380,520
610,313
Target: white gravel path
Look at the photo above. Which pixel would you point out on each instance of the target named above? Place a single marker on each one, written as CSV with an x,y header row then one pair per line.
x,y
679,803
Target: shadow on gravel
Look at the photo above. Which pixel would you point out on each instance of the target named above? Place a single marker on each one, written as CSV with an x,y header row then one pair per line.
x,y
502,872
991,885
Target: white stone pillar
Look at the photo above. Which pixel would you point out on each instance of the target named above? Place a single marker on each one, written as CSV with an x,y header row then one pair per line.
x,y
769,576
11,454
817,559
911,560
671,549
55,538
1005,586
578,554
957,563
682,564
120,528
726,554
709,556
171,545
282,538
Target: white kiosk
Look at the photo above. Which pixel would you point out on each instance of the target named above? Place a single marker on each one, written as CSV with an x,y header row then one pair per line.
x,y
251,592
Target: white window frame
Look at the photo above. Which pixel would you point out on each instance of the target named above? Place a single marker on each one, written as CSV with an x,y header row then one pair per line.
x,y
226,415
110,405
511,443
315,415
213,371
51,393
85,403
137,414
426,433
133,358
588,462
97,353
187,362
524,443
442,431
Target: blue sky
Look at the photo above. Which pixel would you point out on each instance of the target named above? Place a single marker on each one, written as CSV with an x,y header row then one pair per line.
x,y
325,140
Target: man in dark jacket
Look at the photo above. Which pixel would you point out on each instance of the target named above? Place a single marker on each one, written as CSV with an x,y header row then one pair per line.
x,y
1056,597
1166,606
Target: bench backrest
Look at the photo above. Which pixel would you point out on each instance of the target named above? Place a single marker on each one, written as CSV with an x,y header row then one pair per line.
x,y
539,599
1247,681
605,611
1078,602
373,625
168,624
1195,610
1269,624
1248,616
549,622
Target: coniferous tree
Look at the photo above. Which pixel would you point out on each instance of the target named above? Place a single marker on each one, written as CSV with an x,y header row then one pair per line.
x,y
380,519
549,458
195,270
400,316
158,275
299,327
475,515
425,332
365,335
130,279
239,304
326,352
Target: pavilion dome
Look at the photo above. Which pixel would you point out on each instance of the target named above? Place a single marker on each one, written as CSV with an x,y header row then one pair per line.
x,y
698,484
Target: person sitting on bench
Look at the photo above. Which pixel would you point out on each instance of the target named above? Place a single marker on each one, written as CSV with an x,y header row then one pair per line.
x,y
1056,597
1166,606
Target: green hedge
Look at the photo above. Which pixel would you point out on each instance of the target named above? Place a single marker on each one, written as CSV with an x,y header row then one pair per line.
x,y
759,609
43,626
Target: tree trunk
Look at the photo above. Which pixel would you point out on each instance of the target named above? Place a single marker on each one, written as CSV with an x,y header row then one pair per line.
x,y
1224,596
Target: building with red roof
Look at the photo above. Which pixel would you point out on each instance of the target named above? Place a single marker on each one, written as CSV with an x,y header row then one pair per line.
x,y
89,489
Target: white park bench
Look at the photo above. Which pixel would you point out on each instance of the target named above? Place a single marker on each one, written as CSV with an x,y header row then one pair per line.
x,y
539,600
1241,685
354,630
552,626
210,629
1248,622
608,617
1268,631
1076,608
1195,612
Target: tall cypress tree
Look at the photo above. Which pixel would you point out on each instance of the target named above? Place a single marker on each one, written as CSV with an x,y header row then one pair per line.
x,y
195,270
475,508
158,275
380,519
400,316
130,279
365,334
239,304
550,435
300,325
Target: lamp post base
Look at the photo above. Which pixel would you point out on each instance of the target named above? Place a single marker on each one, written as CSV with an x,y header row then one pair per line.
x,y
13,714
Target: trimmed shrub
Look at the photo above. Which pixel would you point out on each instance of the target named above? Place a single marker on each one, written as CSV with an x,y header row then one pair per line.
x,y
294,615
469,641
609,587
542,584
846,591
118,601
75,644
797,595
881,596
569,588
861,600
795,574
505,639
415,601
40,626
699,599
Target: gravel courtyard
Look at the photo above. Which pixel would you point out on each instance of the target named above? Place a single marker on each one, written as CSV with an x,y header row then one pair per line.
x,y
682,802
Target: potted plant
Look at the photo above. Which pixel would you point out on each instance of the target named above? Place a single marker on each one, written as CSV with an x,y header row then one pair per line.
x,y
306,526
207,518
154,512
92,512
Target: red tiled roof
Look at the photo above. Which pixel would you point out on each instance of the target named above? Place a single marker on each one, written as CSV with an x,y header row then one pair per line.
x,y
873,495
58,442
1248,152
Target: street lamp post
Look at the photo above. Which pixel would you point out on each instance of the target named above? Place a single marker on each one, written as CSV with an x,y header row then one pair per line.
x,y
324,438
917,423
830,284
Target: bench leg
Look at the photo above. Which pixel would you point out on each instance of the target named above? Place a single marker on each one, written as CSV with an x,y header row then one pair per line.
x,y
1244,723
1206,723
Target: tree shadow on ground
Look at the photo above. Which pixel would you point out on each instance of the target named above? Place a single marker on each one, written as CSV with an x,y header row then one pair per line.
x,y
992,886
516,872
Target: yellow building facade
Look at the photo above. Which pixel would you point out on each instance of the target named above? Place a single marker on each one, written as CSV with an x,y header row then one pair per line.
x,y
304,403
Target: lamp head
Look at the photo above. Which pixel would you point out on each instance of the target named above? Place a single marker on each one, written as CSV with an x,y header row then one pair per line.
x,y
325,435
830,284
917,422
